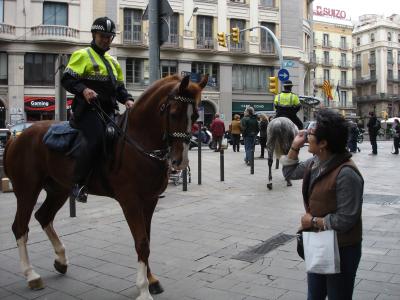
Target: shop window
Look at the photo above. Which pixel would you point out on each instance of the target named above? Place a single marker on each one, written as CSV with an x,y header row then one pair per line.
x,y
250,78
39,69
55,13
168,68
137,71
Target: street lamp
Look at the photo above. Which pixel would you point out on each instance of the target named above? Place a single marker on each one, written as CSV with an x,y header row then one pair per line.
x,y
190,19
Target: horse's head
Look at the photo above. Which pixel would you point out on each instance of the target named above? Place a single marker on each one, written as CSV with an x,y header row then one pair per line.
x,y
181,109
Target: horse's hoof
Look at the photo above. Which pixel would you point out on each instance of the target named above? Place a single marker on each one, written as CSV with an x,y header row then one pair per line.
x,y
60,267
36,284
288,183
155,288
269,186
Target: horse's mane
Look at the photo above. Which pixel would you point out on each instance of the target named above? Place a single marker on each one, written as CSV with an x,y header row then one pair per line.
x,y
156,85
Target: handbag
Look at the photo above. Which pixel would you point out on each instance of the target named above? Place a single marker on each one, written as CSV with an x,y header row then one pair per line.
x,y
321,252
224,143
300,247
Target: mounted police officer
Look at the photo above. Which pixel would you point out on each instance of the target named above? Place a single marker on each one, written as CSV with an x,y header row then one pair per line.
x,y
93,75
287,104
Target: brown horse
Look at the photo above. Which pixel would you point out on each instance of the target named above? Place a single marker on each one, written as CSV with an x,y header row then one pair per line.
x,y
157,134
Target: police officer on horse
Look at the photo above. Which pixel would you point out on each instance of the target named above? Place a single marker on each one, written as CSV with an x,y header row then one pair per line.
x,y
93,75
287,104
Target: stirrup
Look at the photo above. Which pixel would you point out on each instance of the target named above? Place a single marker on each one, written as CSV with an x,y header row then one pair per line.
x,y
79,193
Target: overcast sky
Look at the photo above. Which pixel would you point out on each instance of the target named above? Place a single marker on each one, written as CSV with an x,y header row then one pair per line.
x,y
355,8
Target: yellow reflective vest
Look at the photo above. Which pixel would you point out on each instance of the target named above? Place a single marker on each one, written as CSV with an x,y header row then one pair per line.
x,y
286,99
87,64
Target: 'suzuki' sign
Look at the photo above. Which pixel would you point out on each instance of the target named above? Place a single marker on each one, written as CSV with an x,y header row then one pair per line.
x,y
330,12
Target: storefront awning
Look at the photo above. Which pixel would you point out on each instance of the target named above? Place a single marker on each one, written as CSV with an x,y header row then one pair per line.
x,y
42,103
239,107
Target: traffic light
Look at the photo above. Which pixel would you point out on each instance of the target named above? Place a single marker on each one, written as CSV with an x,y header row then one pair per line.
x,y
235,33
273,85
221,39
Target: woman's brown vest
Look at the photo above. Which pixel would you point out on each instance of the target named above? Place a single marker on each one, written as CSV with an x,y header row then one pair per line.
x,y
322,201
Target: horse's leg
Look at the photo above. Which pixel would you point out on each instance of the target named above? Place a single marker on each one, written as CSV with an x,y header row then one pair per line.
x,y
270,162
26,199
45,215
135,217
155,286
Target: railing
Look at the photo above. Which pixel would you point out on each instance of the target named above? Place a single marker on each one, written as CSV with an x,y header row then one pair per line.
x,y
341,104
326,44
267,48
7,29
390,61
55,31
134,38
372,61
325,62
346,84
357,64
267,3
174,41
366,79
344,64
207,44
320,82
241,47
374,97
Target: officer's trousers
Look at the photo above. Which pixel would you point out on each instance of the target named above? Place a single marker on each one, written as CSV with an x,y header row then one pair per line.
x,y
92,128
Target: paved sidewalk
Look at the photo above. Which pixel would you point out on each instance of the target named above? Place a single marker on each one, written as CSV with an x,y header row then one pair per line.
x,y
197,236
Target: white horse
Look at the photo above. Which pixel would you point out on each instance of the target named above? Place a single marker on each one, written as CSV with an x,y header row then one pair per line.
x,y
280,134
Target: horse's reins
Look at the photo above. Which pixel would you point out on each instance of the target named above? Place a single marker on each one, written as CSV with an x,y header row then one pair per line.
x,y
159,154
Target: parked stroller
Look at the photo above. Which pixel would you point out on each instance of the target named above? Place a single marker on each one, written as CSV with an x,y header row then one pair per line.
x,y
176,176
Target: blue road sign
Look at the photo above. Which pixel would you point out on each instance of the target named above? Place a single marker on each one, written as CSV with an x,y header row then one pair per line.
x,y
283,75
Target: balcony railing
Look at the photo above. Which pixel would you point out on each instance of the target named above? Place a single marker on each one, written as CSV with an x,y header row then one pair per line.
x,y
7,29
241,47
174,41
390,61
346,84
320,82
55,31
367,79
372,61
267,48
206,44
134,38
357,64
267,3
344,64
375,97
325,62
326,44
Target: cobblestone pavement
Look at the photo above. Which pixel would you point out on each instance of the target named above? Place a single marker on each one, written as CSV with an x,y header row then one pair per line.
x,y
197,237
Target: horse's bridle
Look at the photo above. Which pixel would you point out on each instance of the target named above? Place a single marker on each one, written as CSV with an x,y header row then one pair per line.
x,y
159,154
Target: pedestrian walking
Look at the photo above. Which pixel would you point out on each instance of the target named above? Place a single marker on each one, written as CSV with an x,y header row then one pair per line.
x,y
234,129
373,128
287,104
217,130
263,125
332,194
249,127
353,135
396,136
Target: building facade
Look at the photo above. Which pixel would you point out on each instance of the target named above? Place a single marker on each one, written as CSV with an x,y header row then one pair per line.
x,y
33,33
333,52
376,53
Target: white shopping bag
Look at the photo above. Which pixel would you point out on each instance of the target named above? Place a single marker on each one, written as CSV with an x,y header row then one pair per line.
x,y
321,252
224,143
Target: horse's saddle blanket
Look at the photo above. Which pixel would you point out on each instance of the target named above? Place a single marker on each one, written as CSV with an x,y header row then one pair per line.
x,y
62,137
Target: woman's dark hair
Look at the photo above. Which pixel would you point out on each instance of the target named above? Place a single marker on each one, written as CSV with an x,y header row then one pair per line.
x,y
332,127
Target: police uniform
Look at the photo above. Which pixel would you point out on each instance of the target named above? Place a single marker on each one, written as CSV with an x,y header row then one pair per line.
x,y
287,104
93,68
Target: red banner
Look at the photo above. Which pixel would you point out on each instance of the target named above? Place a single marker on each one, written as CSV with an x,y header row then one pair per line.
x,y
42,103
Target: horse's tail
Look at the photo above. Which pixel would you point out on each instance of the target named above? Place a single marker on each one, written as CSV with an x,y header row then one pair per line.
x,y
9,142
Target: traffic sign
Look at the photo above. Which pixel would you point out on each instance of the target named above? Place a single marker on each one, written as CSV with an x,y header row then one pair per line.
x,y
283,75
288,64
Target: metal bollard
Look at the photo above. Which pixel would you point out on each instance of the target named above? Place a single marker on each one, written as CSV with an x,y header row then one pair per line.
x,y
184,180
199,159
252,162
72,207
221,164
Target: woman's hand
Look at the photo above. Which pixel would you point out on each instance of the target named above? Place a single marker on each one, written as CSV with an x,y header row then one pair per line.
x,y
306,221
299,139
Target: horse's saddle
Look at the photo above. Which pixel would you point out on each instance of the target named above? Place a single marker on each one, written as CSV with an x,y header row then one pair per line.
x,y
61,137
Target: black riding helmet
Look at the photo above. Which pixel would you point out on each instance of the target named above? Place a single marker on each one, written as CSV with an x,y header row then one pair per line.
x,y
104,25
